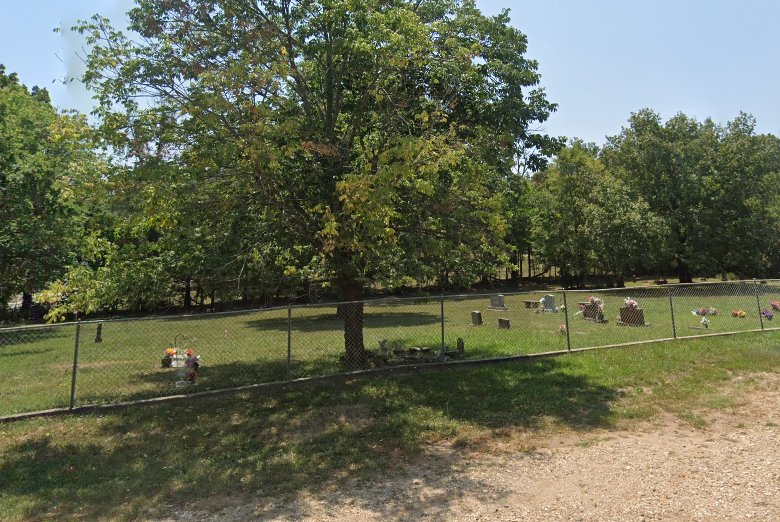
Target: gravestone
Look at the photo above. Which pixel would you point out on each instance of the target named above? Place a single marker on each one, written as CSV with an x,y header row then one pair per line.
x,y
461,345
99,333
591,311
548,303
476,318
497,302
503,323
631,316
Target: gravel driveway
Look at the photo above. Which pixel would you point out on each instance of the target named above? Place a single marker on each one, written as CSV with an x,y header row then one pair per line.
x,y
666,470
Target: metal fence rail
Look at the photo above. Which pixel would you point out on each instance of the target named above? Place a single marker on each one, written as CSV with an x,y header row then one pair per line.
x,y
108,361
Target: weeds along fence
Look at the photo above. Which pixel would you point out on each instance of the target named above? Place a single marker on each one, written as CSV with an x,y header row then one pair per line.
x,y
108,361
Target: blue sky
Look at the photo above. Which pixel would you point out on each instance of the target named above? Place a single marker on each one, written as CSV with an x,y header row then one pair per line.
x,y
600,59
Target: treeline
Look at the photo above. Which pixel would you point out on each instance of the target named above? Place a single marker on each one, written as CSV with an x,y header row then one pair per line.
x,y
680,196
245,151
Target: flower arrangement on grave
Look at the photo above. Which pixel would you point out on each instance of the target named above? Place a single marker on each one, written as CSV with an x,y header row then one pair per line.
x,y
775,305
167,360
192,362
593,309
630,303
593,300
562,329
706,311
738,313
767,314
705,322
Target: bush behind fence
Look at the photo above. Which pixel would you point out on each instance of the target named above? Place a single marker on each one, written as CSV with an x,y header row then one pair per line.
x,y
107,361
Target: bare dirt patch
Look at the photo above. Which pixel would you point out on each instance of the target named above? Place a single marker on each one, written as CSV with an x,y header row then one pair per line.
x,y
667,469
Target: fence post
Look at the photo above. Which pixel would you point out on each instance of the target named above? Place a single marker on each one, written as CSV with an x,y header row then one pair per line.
x,y
566,319
289,341
443,348
758,304
75,363
671,311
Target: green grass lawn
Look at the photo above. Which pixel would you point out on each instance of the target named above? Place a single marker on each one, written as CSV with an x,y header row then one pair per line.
x,y
147,461
251,347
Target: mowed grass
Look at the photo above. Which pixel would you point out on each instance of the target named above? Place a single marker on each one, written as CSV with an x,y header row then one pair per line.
x,y
151,461
252,347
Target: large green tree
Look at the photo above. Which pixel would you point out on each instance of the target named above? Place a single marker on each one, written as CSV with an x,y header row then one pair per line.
x,y
363,140
709,182
586,220
44,157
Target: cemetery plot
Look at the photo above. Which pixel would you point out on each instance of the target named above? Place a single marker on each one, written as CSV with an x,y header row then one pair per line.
x,y
234,349
603,318
716,308
121,360
522,330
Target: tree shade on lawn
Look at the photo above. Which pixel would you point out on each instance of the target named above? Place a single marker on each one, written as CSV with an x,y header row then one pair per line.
x,y
251,347
360,142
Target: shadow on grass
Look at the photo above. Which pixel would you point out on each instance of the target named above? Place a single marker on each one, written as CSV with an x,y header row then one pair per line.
x,y
331,322
156,382
119,464
135,386
11,338
14,353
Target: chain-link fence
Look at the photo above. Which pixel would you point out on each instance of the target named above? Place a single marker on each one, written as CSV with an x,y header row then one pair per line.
x,y
100,362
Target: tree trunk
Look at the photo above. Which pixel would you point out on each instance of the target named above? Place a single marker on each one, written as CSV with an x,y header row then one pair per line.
x,y
31,311
188,294
684,274
352,314
200,296
26,304
444,280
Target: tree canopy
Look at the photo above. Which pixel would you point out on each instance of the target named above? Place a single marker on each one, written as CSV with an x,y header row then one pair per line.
x,y
43,163
359,142
710,183
278,148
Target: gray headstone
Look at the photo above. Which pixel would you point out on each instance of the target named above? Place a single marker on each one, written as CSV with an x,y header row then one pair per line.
x,y
476,318
497,302
548,303
503,323
461,345
99,333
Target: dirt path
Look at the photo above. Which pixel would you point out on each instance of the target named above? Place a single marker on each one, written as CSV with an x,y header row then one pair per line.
x,y
665,471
